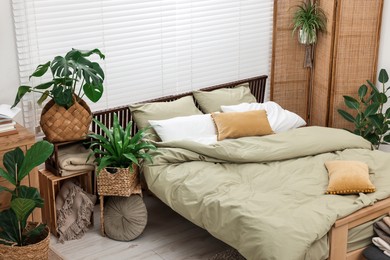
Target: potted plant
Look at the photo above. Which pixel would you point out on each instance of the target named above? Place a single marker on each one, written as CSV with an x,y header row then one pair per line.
x,y
308,19
19,238
118,155
67,117
370,119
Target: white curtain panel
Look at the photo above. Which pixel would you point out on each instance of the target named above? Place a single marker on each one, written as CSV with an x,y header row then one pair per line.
x,y
153,48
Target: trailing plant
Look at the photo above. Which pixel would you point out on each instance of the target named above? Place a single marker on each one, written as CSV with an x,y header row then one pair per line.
x,y
117,148
24,200
371,120
73,76
309,18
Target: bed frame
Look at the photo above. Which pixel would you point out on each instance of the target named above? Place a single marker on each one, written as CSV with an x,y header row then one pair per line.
x,y
338,234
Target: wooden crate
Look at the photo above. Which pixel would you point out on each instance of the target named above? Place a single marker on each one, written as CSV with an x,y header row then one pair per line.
x,y
50,186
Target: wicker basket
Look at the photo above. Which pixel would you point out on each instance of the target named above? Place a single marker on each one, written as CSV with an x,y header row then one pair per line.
x,y
60,124
121,183
36,251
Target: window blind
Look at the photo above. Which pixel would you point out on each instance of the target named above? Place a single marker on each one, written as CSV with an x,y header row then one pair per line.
x,y
153,48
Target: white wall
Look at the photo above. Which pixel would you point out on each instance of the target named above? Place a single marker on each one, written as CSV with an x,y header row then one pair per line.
x,y
384,51
9,77
9,80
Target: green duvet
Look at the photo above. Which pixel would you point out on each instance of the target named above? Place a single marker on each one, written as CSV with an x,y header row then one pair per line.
x,y
265,196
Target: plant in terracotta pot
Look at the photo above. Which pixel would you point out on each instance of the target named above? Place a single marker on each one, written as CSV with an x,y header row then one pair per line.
x,y
308,19
18,237
369,118
72,77
118,155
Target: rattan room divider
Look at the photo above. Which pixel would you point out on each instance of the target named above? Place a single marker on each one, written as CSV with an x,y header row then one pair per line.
x,y
345,56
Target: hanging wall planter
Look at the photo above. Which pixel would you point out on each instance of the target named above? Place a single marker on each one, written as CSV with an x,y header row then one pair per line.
x,y
308,19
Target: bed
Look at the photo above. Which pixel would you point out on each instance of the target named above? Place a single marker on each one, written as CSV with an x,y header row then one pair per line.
x,y
265,196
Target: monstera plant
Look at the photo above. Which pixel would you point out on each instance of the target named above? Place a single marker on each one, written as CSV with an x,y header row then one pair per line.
x,y
369,117
72,75
66,116
15,230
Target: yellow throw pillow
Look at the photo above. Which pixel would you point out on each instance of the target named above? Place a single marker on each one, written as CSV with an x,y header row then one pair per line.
x,y
240,124
348,177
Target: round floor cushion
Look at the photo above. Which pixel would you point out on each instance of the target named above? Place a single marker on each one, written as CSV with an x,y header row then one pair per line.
x,y
125,217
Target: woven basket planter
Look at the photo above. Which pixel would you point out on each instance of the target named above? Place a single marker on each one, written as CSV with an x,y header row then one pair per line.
x,y
60,124
37,251
121,183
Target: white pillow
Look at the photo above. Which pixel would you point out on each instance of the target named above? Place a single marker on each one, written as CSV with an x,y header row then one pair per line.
x,y
197,128
280,119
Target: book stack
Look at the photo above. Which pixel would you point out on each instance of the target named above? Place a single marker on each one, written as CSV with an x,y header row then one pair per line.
x,y
7,126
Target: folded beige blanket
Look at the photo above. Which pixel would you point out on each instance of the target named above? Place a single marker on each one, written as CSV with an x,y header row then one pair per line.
x,y
74,209
74,158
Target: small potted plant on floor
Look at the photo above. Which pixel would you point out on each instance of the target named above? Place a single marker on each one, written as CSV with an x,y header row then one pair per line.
x,y
67,117
20,239
308,19
369,118
118,155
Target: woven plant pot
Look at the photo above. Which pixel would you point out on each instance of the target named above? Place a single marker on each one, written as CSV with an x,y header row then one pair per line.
x,y
121,183
37,251
60,124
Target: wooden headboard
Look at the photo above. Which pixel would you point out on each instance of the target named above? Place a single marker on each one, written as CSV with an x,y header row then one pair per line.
x,y
256,85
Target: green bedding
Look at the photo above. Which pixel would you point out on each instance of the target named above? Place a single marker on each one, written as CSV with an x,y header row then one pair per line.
x,y
265,195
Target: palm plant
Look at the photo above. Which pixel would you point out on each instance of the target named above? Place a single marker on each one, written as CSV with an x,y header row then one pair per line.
x,y
371,120
117,148
308,19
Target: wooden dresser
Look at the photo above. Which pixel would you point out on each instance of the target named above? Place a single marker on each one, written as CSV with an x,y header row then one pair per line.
x,y
23,139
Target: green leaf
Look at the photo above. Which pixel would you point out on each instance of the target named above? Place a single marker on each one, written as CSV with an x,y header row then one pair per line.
x,y
387,114
386,138
383,76
36,155
2,188
35,232
43,97
13,161
45,85
93,92
22,90
377,120
382,98
362,91
40,70
373,87
61,68
371,109
22,207
347,116
351,102
63,96
9,227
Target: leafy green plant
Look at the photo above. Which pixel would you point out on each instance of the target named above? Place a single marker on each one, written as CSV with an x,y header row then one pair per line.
x,y
24,200
117,148
371,121
72,77
309,18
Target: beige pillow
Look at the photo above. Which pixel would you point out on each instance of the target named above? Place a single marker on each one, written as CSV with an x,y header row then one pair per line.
x,y
348,177
240,124
211,101
184,106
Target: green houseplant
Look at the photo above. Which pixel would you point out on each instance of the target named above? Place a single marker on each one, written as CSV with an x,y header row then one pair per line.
x,y
369,118
66,116
14,227
71,76
118,154
308,19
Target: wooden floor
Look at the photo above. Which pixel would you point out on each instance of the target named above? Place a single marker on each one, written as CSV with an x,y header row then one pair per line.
x,y
167,236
